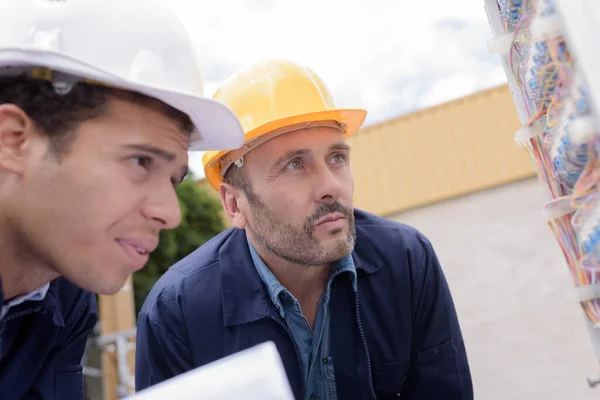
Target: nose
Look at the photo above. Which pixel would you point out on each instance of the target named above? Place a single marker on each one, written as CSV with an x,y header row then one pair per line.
x,y
328,187
163,207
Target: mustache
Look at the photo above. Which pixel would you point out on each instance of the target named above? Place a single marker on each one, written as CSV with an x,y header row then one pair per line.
x,y
330,208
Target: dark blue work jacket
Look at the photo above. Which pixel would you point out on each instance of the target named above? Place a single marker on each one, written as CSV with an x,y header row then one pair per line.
x,y
398,337
42,343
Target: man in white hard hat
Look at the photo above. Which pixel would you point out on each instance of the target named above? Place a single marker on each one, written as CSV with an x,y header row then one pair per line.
x,y
100,103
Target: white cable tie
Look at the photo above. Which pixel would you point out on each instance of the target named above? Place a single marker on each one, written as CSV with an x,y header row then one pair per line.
x,y
586,293
523,135
558,210
501,45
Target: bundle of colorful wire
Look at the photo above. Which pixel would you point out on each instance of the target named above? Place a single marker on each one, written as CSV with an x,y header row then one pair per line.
x,y
579,237
586,222
542,75
571,147
564,150
510,12
542,71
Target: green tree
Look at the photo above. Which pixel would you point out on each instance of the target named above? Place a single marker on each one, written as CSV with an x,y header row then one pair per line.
x,y
201,219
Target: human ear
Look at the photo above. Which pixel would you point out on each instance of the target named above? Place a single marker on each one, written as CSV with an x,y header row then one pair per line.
x,y
16,130
230,197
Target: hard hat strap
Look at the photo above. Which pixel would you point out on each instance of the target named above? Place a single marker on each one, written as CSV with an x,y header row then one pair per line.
x,y
237,156
62,82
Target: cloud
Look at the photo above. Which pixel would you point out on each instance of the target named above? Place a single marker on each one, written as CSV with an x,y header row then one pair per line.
x,y
387,56
449,88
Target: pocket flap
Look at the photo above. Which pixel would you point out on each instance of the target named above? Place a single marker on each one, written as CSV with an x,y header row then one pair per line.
x,y
438,351
391,378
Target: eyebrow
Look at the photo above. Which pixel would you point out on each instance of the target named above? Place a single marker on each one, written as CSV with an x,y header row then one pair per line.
x,y
152,150
340,147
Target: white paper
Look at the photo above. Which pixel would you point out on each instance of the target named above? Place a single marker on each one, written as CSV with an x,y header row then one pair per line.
x,y
254,373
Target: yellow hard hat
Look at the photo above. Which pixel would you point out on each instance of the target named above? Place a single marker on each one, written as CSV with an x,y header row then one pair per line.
x,y
267,98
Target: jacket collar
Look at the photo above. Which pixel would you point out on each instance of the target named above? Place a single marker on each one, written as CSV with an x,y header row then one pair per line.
x,y
244,296
52,302
365,257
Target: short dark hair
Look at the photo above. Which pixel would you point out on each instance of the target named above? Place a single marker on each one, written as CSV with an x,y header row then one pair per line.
x,y
58,116
238,178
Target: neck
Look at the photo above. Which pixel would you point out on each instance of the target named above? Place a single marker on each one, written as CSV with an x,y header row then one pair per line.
x,y
20,270
306,283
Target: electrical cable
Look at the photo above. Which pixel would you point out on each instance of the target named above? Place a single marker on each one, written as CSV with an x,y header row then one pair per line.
x,y
565,149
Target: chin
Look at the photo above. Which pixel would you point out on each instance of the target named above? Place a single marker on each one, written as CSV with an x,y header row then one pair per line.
x,y
110,288
338,248
107,285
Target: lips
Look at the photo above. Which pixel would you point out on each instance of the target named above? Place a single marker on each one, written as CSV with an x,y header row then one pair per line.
x,y
329,218
138,250
331,223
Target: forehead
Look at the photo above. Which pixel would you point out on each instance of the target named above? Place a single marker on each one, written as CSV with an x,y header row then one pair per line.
x,y
315,140
127,120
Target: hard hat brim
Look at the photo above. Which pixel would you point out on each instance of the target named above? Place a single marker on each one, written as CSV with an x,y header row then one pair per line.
x,y
216,126
353,118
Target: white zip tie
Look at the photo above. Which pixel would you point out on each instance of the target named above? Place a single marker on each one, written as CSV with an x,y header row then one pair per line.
x,y
586,293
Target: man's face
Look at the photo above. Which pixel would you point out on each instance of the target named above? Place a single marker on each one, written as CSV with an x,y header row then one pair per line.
x,y
95,215
300,206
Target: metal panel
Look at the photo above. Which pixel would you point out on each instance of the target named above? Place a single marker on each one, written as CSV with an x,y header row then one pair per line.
x,y
438,153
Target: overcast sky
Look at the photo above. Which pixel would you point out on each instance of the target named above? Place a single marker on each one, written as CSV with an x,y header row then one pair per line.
x,y
387,56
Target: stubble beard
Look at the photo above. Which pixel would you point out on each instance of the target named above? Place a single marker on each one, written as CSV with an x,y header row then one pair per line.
x,y
298,245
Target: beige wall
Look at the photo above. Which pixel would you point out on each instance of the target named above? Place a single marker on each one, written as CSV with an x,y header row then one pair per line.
x,y
525,338
439,153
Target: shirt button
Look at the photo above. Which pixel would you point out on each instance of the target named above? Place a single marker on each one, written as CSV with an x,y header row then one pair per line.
x,y
325,360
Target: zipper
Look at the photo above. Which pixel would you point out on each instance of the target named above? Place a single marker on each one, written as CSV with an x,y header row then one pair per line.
x,y
10,317
364,339
289,332
21,313
2,325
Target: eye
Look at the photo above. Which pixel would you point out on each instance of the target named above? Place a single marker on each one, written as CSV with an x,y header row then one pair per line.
x,y
338,158
143,161
294,164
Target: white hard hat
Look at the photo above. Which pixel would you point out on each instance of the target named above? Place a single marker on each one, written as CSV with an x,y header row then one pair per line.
x,y
136,45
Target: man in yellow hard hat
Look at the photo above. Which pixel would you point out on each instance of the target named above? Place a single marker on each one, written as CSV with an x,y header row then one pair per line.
x,y
357,305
